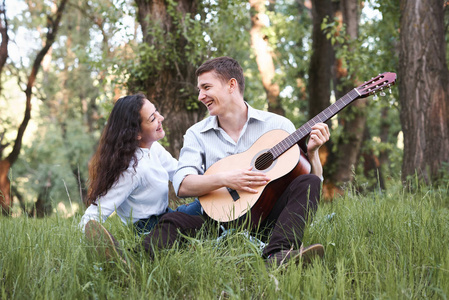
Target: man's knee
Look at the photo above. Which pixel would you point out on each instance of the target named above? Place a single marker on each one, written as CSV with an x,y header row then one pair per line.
x,y
310,181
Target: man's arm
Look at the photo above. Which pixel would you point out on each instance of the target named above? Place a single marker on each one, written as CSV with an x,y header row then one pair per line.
x,y
238,179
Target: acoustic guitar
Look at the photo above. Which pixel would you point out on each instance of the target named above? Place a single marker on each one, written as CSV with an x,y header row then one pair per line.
x,y
279,155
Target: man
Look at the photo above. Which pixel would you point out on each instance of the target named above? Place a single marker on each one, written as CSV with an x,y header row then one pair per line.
x,y
232,127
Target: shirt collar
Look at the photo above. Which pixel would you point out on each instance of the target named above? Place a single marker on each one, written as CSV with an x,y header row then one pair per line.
x,y
144,152
212,123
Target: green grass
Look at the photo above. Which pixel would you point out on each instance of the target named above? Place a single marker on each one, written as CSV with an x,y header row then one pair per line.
x,y
379,246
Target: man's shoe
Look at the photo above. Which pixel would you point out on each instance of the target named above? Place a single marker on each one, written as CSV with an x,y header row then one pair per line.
x,y
285,257
105,243
308,253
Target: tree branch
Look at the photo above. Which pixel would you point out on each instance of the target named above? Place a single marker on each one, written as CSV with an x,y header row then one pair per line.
x,y
52,29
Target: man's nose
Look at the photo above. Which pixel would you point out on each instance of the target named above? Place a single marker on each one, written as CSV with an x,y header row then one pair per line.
x,y
201,95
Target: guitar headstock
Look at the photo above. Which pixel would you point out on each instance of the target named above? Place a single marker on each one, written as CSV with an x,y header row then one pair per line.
x,y
378,83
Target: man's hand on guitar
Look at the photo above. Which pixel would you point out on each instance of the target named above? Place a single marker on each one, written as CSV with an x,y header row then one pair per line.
x,y
318,136
245,179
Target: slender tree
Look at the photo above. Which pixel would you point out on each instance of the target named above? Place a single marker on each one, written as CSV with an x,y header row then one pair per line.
x,y
53,23
424,89
321,60
4,42
4,199
264,55
353,118
3,57
320,69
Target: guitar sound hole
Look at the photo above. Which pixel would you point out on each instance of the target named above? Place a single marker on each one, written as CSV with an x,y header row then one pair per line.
x,y
264,161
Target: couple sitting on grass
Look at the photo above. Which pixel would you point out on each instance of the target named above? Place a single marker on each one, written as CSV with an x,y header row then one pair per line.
x,y
130,170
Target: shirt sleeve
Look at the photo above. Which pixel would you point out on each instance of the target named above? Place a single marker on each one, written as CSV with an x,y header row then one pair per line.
x,y
191,159
287,125
91,213
107,204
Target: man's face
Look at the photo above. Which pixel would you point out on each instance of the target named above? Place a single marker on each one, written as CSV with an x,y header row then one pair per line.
x,y
213,93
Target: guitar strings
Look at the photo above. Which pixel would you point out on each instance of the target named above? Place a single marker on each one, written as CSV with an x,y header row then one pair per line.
x,y
306,128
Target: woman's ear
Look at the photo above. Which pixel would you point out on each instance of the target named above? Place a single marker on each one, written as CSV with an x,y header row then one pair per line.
x,y
139,137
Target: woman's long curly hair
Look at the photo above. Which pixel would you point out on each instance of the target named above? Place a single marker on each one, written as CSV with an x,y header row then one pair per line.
x,y
117,147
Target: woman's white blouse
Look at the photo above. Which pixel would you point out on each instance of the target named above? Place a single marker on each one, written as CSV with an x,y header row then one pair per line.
x,y
140,193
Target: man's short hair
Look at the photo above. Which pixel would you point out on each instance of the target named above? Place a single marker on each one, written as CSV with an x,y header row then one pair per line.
x,y
225,68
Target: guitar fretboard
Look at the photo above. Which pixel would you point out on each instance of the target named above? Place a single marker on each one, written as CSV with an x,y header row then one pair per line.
x,y
305,129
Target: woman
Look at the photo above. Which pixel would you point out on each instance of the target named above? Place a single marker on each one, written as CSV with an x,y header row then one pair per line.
x,y
130,170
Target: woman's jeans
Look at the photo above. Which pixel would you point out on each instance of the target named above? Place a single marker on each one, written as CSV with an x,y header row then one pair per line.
x,y
144,226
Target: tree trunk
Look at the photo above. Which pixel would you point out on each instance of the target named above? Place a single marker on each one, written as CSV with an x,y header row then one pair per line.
x,y
372,166
5,40
52,29
353,118
42,208
320,70
5,198
321,61
423,89
264,56
5,185
173,88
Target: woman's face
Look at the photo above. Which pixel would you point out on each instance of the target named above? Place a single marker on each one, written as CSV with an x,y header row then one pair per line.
x,y
151,126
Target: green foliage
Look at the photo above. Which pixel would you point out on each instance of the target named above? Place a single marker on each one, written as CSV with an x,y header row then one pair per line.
x,y
226,26
379,47
49,165
97,53
331,29
68,110
388,246
374,51
162,49
290,36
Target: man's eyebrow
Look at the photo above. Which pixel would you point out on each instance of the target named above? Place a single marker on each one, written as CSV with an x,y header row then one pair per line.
x,y
203,84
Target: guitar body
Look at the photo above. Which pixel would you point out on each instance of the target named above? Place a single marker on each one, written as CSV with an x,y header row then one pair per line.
x,y
222,205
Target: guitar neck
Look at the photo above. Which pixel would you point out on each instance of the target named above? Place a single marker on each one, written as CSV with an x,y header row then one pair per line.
x,y
305,129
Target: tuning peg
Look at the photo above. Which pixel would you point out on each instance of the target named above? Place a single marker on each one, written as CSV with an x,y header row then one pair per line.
x,y
389,89
382,93
375,97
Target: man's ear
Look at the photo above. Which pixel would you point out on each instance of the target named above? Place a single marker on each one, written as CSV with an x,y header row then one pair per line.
x,y
233,84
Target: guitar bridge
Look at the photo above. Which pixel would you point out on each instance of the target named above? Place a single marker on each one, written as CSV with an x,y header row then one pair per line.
x,y
234,194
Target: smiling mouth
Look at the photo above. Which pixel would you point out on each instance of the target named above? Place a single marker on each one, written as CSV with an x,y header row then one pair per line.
x,y
209,103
